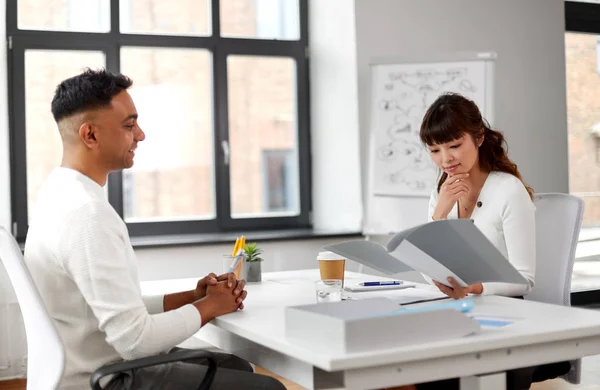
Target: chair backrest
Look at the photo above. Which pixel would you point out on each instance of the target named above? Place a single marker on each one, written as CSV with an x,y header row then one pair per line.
x,y
557,222
45,352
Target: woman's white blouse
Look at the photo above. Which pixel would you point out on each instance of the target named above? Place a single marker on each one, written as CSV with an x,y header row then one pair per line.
x,y
506,216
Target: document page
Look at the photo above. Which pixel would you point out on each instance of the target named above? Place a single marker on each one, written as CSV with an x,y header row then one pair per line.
x,y
401,297
371,254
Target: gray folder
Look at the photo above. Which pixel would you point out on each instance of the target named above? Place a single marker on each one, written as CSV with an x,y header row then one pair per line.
x,y
438,249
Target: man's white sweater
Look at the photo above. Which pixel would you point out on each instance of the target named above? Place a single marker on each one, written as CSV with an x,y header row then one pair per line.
x,y
81,259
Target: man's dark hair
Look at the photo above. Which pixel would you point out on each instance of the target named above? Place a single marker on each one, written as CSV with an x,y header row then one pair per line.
x,y
89,90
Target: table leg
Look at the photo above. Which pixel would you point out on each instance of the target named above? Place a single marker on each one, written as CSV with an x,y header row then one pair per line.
x,y
495,381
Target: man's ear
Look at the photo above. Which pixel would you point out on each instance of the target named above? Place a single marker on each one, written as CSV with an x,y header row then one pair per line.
x,y
88,133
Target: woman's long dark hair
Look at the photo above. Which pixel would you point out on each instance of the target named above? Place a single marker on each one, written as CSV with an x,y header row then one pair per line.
x,y
450,117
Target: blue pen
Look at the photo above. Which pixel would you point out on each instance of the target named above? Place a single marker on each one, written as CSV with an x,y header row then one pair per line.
x,y
236,260
383,283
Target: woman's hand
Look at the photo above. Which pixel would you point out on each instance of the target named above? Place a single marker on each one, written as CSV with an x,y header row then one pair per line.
x,y
457,291
454,187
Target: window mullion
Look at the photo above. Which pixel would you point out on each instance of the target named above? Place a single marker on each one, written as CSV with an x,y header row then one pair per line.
x,y
222,153
18,156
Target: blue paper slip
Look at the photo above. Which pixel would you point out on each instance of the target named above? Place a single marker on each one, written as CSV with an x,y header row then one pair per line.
x,y
492,322
382,283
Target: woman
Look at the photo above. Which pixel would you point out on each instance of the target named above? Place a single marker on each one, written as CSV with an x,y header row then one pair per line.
x,y
480,182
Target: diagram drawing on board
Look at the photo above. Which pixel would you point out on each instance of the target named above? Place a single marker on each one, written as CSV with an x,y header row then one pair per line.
x,y
401,164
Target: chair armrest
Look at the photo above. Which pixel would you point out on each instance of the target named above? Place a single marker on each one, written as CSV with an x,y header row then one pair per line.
x,y
149,361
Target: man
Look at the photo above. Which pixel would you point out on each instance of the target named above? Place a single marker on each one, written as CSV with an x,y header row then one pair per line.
x,y
80,256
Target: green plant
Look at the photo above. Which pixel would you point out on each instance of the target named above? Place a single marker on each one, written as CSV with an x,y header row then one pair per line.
x,y
253,252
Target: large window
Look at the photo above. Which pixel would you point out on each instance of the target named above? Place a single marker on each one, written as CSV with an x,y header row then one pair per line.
x,y
221,90
582,58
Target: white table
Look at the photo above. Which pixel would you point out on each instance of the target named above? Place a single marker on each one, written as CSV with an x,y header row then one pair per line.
x,y
540,334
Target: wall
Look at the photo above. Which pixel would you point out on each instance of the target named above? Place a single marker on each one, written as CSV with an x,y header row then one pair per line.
x,y
334,115
530,106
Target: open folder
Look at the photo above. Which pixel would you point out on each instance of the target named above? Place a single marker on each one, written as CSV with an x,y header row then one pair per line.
x,y
438,249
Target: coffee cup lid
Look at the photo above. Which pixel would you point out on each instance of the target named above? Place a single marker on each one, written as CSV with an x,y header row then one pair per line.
x,y
327,255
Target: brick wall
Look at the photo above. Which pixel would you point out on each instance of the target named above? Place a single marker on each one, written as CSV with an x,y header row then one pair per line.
x,y
583,112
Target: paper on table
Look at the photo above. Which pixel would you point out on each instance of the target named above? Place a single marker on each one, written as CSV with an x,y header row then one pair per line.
x,y
401,297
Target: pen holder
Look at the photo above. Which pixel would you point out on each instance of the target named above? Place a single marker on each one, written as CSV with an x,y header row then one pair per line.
x,y
239,270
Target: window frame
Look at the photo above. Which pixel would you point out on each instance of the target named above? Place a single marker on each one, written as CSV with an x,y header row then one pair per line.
x,y
220,47
582,17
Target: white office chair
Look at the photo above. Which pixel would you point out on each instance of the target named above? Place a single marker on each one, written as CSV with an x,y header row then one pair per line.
x,y
558,221
46,354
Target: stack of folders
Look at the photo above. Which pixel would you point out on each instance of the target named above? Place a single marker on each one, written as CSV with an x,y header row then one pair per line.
x,y
375,323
